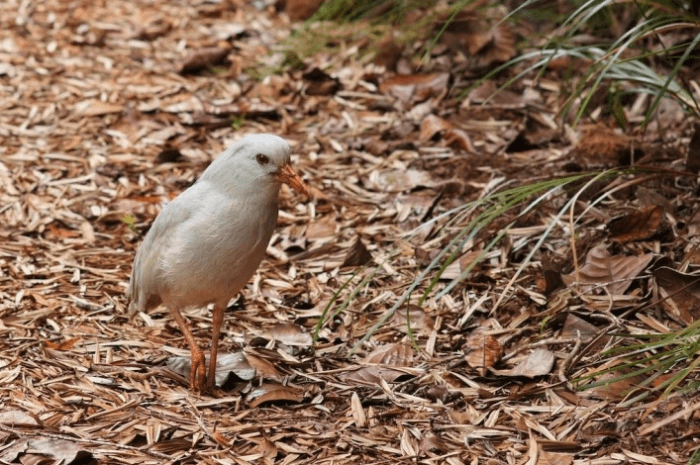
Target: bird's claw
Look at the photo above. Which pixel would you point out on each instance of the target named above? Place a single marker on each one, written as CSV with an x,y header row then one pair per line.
x,y
198,373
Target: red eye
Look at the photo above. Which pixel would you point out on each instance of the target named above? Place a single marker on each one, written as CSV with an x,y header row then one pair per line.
x,y
262,159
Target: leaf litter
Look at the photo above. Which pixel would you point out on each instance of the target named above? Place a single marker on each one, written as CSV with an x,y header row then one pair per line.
x,y
108,110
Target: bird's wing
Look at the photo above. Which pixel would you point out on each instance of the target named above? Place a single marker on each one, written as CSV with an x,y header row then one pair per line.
x,y
158,239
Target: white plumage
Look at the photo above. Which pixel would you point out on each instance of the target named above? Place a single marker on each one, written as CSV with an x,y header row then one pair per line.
x,y
207,243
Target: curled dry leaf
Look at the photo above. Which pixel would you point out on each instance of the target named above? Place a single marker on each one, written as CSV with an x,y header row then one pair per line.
x,y
400,354
399,180
17,418
153,30
289,334
577,327
357,255
432,125
203,58
614,390
418,87
301,10
226,364
692,162
682,292
267,448
220,439
420,322
324,227
65,345
321,83
97,108
473,34
358,414
35,450
553,458
637,225
615,273
483,351
272,392
539,362
381,363
455,269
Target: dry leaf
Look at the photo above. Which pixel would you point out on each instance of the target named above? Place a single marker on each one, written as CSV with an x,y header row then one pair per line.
x,y
320,83
682,292
65,345
381,362
203,58
226,364
482,352
692,162
637,225
97,108
289,334
417,87
301,10
420,322
615,273
272,393
539,362
17,418
432,125
357,255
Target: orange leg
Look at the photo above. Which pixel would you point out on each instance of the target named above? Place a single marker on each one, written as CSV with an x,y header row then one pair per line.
x,y
217,321
197,371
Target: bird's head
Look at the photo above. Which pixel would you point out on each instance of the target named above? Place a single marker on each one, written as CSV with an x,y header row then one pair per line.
x,y
256,161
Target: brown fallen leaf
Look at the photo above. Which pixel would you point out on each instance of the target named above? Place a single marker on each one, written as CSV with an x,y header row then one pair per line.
x,y
455,269
381,363
203,58
65,345
289,334
538,363
458,138
692,162
273,392
417,87
432,125
153,30
37,449
301,10
637,225
473,34
97,108
483,351
615,273
17,418
357,255
681,292
226,364
321,83
420,322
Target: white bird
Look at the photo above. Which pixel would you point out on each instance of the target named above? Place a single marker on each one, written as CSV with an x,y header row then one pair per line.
x,y
207,243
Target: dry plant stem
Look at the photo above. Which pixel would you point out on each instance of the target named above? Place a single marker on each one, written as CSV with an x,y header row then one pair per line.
x,y
567,362
109,369
198,370
575,360
217,321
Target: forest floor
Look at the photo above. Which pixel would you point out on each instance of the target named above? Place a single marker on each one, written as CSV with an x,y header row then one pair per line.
x,y
109,109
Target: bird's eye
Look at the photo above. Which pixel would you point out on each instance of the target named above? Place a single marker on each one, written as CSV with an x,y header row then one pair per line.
x,y
262,159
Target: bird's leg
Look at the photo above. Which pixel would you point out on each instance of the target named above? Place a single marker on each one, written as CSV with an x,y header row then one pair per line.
x,y
198,368
217,321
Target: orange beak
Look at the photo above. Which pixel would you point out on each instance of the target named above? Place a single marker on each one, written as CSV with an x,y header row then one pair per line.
x,y
287,175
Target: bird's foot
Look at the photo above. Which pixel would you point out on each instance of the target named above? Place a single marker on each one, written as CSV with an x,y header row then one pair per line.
x,y
198,373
